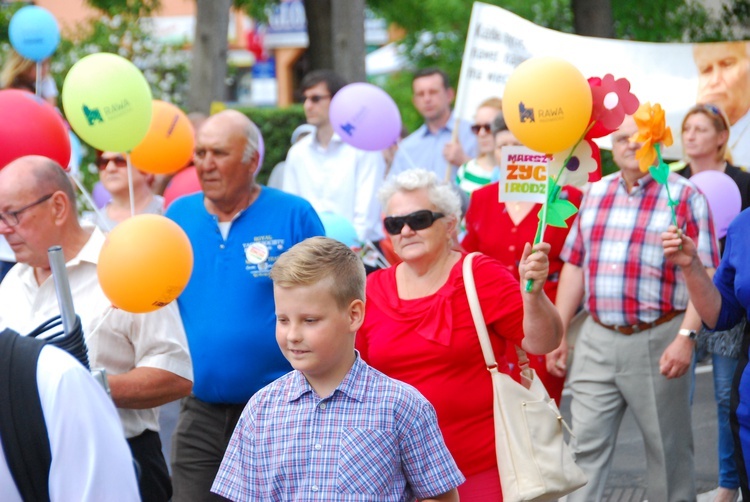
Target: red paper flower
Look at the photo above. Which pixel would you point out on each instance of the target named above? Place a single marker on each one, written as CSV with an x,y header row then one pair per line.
x,y
612,100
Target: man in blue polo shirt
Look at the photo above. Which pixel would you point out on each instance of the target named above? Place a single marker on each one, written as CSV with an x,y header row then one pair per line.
x,y
431,146
237,229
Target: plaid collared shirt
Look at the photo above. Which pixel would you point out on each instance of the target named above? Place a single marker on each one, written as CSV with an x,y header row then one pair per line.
x,y
373,438
616,239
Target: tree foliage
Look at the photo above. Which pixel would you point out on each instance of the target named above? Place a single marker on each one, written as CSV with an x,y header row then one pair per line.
x,y
137,8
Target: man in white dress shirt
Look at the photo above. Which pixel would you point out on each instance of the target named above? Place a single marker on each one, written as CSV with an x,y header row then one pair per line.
x,y
145,355
332,175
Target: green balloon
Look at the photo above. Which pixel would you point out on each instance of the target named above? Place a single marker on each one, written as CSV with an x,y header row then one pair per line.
x,y
107,101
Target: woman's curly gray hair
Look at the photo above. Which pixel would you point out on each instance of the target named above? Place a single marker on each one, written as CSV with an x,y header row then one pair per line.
x,y
442,195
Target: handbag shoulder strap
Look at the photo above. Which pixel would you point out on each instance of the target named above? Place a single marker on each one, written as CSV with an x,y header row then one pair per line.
x,y
476,314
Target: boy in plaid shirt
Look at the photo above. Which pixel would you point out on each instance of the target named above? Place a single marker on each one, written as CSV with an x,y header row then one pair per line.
x,y
334,428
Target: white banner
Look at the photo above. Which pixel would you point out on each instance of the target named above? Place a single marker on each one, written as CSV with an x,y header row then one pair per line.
x,y
668,74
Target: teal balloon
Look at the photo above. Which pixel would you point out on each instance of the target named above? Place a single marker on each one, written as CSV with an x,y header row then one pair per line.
x,y
339,228
34,33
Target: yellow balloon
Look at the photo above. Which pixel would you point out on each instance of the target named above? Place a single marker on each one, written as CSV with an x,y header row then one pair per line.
x,y
145,263
107,101
547,104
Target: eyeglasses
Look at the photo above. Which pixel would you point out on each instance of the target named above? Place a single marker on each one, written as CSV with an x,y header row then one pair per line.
x,y
103,162
317,98
418,220
475,128
10,218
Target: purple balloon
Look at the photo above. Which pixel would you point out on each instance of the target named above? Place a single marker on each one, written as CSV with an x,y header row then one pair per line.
x,y
100,195
723,198
365,116
261,153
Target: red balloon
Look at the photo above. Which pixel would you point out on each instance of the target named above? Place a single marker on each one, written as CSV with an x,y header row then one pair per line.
x,y
184,182
31,126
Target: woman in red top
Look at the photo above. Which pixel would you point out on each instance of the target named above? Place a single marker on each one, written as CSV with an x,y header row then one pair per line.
x,y
501,230
418,326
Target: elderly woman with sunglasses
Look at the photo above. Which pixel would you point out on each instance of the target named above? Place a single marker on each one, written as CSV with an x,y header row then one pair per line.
x,y
418,327
705,135
478,172
113,173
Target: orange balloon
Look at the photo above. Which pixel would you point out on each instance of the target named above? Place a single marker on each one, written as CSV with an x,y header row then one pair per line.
x,y
169,142
547,104
145,263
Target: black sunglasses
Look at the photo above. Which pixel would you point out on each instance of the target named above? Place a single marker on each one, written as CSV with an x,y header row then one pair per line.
x,y
475,128
103,162
418,220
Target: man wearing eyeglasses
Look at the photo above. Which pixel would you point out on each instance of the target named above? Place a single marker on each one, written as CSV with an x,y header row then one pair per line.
x,y
329,173
145,355
431,146
724,80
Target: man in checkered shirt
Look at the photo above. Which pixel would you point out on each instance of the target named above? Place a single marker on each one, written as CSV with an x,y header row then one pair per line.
x,y
333,429
635,348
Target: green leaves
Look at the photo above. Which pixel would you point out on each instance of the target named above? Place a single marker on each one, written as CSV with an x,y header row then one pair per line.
x,y
558,211
660,173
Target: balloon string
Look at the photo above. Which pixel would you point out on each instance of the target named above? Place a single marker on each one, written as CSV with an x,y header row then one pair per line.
x,y
38,90
90,201
110,309
130,184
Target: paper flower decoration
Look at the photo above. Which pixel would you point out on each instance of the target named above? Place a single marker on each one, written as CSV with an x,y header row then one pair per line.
x,y
558,210
581,164
612,100
652,130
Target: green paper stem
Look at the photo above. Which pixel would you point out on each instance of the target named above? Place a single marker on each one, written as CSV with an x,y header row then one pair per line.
x,y
672,202
554,191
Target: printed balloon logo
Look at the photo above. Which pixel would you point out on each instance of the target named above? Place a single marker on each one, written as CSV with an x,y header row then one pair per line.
x,y
547,118
365,117
107,101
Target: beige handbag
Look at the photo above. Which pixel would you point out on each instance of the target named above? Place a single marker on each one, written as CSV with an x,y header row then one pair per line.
x,y
534,461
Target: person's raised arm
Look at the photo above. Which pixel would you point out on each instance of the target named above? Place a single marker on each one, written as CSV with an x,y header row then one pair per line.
x,y
541,322
705,297
570,292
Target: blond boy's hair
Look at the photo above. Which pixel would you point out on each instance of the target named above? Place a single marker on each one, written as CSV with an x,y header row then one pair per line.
x,y
318,259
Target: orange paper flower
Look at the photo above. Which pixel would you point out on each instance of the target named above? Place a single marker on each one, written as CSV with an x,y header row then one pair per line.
x,y
652,129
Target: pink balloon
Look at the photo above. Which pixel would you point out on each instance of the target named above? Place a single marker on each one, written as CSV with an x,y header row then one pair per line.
x,y
365,116
723,198
184,182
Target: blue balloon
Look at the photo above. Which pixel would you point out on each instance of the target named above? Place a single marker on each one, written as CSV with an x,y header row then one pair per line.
x,y
34,33
339,228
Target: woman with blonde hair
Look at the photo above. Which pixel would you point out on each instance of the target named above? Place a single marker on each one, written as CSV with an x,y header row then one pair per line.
x,y
478,172
18,73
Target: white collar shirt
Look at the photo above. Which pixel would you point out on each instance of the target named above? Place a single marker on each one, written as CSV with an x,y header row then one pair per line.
x,y
340,179
117,341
